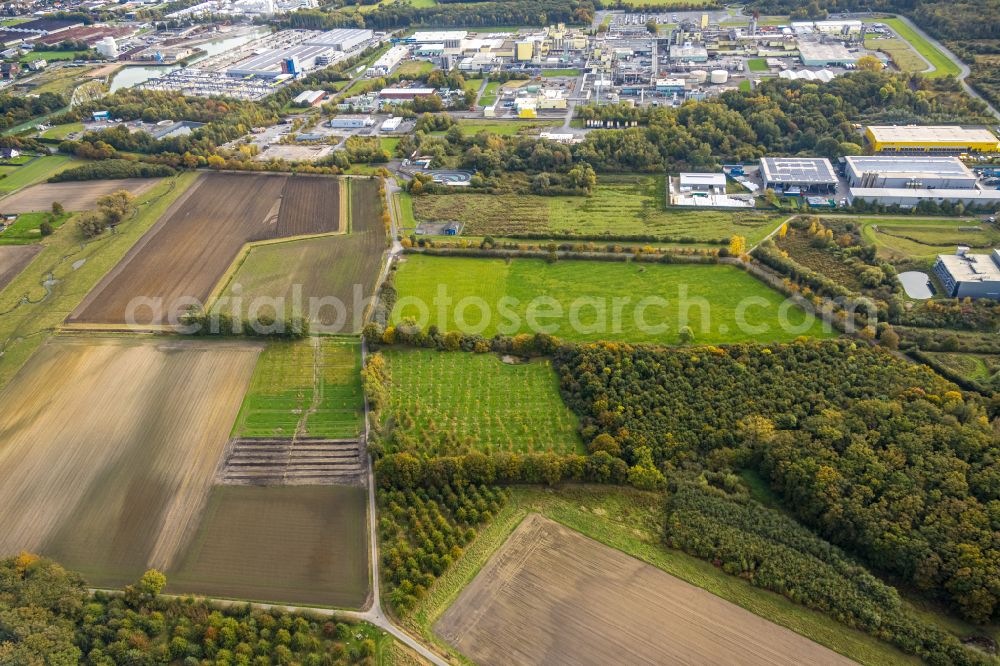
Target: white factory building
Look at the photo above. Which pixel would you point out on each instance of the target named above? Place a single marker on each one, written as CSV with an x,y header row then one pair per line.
x,y
341,39
908,180
388,61
910,172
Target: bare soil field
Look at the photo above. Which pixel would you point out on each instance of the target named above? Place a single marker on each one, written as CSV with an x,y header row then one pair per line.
x,y
182,258
109,447
76,195
551,595
300,544
310,205
334,275
13,259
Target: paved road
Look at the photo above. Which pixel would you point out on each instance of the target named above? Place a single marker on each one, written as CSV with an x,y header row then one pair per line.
x,y
963,68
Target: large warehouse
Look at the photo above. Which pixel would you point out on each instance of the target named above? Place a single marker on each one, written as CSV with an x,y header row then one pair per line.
x,y
912,172
815,54
811,174
342,39
969,275
947,139
908,181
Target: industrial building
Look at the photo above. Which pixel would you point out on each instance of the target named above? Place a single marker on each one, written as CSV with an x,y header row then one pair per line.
x,y
938,172
292,60
448,39
708,183
965,275
309,97
342,39
403,94
392,124
351,122
688,53
388,61
816,54
945,139
811,174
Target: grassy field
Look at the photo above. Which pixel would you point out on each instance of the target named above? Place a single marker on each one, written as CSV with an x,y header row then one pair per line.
x,y
943,66
977,367
48,55
310,387
411,68
757,65
902,55
62,131
25,230
42,295
503,127
36,171
305,545
620,206
130,432
574,300
450,402
924,239
632,522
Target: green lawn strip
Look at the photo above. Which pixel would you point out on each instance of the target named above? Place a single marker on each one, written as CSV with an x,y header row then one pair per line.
x,y
924,239
631,521
35,171
26,229
24,326
757,65
902,55
48,55
452,402
573,300
560,72
405,210
943,64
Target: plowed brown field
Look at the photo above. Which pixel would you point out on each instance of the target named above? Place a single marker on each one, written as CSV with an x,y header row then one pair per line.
x,y
13,259
552,596
310,205
181,259
81,195
109,448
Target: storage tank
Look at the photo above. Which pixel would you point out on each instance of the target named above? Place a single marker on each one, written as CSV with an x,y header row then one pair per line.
x,y
719,76
699,76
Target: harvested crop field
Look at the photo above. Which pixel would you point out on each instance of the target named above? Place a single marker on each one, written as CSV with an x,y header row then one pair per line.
x,y
551,595
13,259
77,195
334,275
305,545
180,260
109,448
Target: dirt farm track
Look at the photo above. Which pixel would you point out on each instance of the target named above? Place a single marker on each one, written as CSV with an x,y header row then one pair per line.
x,y
186,253
109,448
552,596
81,195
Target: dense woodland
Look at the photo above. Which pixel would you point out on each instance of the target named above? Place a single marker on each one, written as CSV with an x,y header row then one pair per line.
x,y
47,617
424,530
879,456
452,14
17,109
713,517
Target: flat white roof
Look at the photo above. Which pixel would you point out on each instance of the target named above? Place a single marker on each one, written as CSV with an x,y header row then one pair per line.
x,y
815,170
423,36
971,194
931,133
971,267
916,166
713,179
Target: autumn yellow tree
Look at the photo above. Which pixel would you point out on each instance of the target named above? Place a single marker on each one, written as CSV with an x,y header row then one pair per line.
x,y
737,245
869,63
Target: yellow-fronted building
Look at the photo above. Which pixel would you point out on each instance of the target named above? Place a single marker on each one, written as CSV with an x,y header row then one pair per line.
x,y
931,139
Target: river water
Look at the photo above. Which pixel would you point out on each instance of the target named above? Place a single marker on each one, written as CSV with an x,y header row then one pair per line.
x,y
136,74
